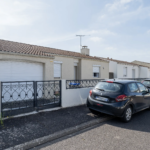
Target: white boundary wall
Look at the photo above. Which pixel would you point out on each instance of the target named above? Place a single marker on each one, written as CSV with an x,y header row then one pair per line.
x,y
73,97
0,99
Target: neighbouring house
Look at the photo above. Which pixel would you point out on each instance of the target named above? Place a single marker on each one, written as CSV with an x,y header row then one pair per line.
x,y
124,69
142,63
25,62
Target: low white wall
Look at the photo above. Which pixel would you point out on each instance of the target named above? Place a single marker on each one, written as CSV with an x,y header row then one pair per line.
x,y
73,97
0,99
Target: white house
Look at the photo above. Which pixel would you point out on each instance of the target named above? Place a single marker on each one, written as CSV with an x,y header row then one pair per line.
x,y
124,69
26,62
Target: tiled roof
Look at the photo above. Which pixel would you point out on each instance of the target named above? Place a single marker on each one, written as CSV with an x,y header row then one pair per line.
x,y
123,62
15,47
141,62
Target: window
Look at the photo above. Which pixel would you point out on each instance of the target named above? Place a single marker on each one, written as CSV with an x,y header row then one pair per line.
x,y
96,70
142,87
133,87
146,83
57,70
125,72
109,87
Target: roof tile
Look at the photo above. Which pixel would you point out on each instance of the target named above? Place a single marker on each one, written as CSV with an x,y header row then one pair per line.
x,y
15,47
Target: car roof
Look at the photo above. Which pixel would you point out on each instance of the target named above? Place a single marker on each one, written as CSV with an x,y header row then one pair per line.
x,y
122,81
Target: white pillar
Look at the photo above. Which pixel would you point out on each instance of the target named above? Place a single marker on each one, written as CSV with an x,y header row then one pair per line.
x,y
63,92
0,99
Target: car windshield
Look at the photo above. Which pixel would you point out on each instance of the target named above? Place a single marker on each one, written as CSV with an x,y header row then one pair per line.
x,y
110,87
147,83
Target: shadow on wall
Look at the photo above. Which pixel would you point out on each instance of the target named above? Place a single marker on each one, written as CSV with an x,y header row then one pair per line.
x,y
83,95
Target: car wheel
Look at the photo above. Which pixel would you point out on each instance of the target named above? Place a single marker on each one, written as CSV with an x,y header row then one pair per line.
x,y
94,112
127,114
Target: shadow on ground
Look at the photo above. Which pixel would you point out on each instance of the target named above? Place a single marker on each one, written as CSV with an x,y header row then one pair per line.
x,y
139,122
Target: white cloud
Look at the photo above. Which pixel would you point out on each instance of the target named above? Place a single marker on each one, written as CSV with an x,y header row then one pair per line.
x,y
148,32
104,32
17,13
111,48
125,1
55,39
117,5
96,39
121,11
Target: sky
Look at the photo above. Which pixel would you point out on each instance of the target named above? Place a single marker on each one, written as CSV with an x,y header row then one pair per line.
x,y
118,29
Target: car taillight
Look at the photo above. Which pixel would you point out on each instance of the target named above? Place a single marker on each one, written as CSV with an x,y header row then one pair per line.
x,y
121,98
90,92
109,81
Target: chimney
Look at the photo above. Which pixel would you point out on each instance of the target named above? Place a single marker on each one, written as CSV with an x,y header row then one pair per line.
x,y
85,50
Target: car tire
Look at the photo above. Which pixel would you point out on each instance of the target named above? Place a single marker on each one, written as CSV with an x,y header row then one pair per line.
x,y
94,112
127,114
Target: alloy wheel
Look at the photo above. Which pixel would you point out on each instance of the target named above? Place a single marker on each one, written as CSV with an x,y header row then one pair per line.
x,y
128,114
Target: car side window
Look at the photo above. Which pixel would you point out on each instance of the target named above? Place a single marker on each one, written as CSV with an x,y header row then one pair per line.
x,y
147,83
142,87
133,88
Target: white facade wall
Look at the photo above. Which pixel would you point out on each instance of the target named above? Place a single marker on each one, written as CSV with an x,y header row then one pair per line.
x,y
73,97
144,72
113,68
120,68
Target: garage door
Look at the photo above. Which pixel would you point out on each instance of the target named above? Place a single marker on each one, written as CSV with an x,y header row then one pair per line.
x,y
20,71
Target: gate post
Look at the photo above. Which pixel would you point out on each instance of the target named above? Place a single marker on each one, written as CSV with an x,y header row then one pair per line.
x,y
0,99
63,93
35,95
60,83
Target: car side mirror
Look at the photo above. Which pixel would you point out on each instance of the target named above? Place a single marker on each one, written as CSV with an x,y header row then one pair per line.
x,y
145,92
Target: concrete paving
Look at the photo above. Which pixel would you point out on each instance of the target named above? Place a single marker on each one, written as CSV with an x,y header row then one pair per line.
x,y
110,135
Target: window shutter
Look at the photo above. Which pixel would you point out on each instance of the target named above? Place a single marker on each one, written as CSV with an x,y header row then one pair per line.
x,y
57,70
96,69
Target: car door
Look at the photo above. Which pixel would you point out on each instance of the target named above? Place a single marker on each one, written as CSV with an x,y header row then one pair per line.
x,y
135,95
146,95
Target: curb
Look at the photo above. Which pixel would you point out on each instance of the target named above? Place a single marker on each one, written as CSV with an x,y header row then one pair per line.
x,y
57,135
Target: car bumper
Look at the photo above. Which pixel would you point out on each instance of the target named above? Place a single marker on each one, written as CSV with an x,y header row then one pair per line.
x,y
115,109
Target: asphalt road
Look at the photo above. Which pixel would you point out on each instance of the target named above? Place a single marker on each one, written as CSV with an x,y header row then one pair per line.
x,y
111,135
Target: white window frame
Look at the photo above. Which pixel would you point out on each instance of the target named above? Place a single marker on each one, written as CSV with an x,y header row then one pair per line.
x,y
60,71
98,71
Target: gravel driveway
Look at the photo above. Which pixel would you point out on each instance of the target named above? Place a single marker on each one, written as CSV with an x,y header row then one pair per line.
x,y
20,130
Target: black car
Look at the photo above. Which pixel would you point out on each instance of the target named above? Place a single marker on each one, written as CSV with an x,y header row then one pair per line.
x,y
119,98
146,83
